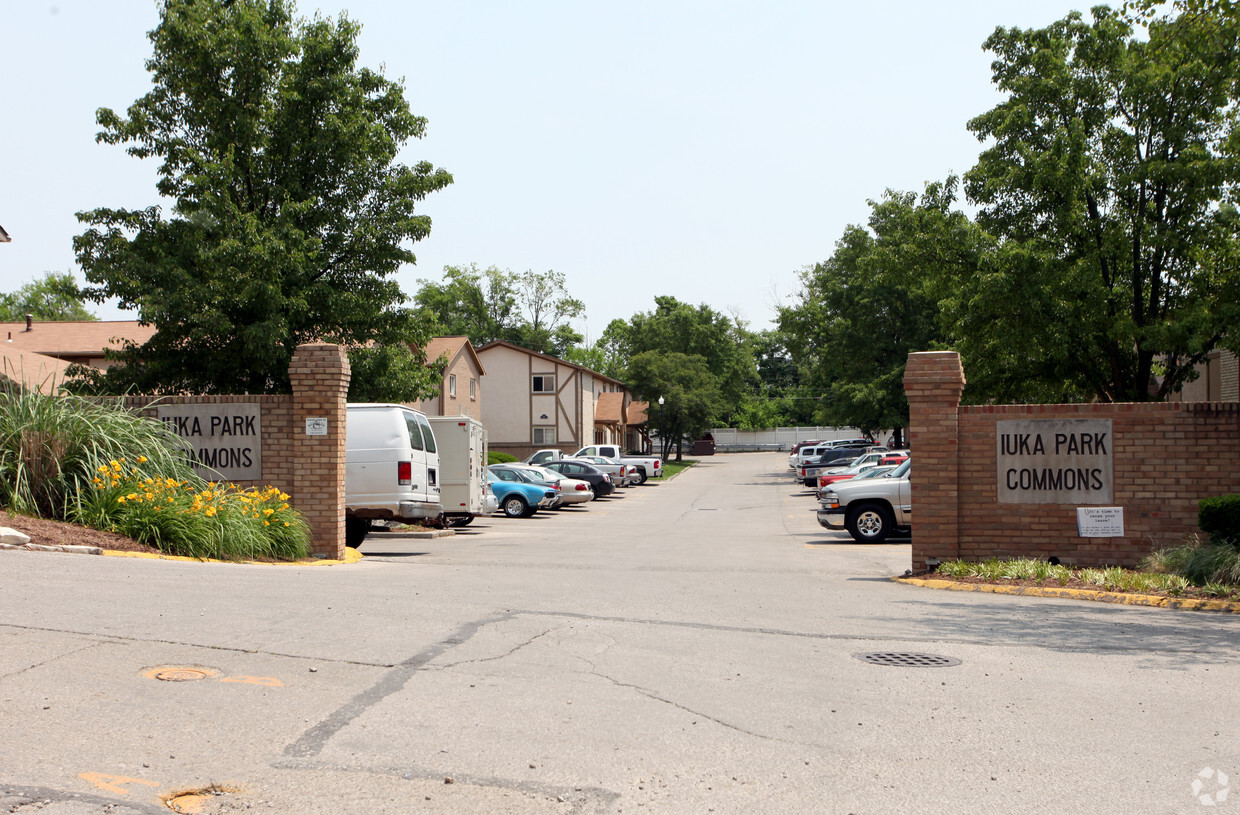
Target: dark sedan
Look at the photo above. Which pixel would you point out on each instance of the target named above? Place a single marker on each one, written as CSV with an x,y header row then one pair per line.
x,y
584,471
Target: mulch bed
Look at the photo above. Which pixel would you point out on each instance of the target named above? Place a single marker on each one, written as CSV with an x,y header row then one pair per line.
x,y
58,533
1191,592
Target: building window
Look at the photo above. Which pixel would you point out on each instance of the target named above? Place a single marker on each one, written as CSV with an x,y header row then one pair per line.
x,y
473,388
543,383
544,436
452,385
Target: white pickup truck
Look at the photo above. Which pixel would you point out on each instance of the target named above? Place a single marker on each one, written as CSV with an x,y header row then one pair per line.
x,y
647,466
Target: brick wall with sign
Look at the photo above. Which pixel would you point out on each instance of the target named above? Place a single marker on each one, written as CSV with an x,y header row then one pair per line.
x,y
1164,458
305,459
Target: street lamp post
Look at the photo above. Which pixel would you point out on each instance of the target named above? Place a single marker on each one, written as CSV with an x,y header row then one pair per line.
x,y
662,439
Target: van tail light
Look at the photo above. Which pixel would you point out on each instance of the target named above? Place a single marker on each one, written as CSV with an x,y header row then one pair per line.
x,y
404,473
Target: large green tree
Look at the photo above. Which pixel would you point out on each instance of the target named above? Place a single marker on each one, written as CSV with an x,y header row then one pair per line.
x,y
674,327
1109,180
55,296
530,309
288,212
875,300
692,399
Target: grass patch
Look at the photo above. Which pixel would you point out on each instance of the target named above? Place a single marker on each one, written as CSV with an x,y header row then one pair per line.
x,y
1150,579
671,468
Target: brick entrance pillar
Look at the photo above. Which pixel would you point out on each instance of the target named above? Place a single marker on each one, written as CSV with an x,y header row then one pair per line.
x,y
933,382
320,376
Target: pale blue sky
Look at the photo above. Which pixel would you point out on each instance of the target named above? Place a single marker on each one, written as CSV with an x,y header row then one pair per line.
x,y
704,150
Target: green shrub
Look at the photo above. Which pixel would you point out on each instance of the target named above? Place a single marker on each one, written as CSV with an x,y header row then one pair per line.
x,y
496,457
1220,518
93,462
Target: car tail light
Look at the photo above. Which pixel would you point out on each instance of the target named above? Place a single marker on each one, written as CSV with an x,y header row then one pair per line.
x,y
404,473
582,487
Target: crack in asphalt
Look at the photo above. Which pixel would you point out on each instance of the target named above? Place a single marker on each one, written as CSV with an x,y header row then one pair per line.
x,y
16,799
505,655
104,639
649,694
313,740
56,658
577,796
1091,647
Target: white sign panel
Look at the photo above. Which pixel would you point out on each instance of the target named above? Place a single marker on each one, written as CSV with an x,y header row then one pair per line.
x,y
316,427
1100,522
1054,461
227,439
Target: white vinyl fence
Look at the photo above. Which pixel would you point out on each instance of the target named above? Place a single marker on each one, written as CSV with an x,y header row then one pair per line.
x,y
728,440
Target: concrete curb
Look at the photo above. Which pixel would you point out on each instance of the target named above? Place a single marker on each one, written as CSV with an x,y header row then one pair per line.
x,y
350,556
38,547
1120,598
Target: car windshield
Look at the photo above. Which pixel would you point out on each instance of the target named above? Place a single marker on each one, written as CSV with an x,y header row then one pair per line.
x,y
901,471
542,473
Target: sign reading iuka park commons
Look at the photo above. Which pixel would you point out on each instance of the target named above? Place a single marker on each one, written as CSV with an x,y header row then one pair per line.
x,y
226,439
1054,461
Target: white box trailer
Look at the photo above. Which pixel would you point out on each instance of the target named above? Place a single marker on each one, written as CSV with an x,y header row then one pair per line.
x,y
462,467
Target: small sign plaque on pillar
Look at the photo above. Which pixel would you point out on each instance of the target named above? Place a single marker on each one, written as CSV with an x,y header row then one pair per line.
x,y
1100,522
316,426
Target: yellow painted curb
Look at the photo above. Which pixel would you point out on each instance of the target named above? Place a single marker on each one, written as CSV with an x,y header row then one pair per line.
x,y
1121,598
350,556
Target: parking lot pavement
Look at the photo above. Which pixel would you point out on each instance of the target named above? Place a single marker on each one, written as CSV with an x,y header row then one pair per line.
x,y
694,646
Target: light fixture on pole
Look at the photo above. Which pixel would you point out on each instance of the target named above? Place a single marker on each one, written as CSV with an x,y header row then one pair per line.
x,y
662,442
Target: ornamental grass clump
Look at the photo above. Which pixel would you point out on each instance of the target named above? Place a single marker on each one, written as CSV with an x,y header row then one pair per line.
x,y
52,446
91,461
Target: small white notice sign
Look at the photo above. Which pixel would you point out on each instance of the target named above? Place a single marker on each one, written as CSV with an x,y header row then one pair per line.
x,y
1100,522
316,427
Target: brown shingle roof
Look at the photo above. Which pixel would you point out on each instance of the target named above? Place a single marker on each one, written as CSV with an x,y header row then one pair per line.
x,y
557,360
609,408
638,412
35,371
73,338
451,346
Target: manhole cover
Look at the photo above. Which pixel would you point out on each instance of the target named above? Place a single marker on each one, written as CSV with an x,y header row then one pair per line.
x,y
180,673
903,659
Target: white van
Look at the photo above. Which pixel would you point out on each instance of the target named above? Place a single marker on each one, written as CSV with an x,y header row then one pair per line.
x,y
391,468
462,444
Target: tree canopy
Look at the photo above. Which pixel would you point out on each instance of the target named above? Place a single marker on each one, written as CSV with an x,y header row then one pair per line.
x,y
289,212
530,309
1109,181
55,296
875,300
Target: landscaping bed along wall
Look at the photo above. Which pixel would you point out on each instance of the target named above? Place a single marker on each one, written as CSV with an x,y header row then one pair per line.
x,y
1090,484
294,442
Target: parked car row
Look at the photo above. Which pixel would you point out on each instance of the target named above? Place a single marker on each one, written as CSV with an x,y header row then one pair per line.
x,y
860,487
523,489
402,466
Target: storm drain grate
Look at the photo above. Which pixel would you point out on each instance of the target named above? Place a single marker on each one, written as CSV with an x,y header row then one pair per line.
x,y
903,659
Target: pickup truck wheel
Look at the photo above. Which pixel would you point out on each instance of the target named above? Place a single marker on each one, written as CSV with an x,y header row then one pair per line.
x,y
641,477
515,507
869,523
355,530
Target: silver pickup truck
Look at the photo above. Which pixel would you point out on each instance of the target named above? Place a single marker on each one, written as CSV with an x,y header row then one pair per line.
x,y
871,509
